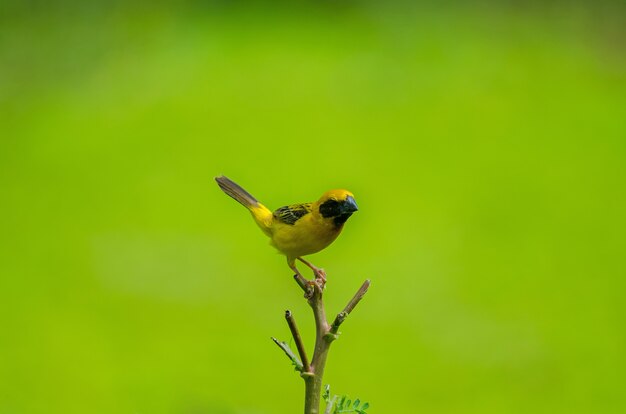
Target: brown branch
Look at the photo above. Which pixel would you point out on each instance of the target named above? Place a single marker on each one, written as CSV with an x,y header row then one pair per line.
x,y
313,382
325,334
341,316
296,337
302,282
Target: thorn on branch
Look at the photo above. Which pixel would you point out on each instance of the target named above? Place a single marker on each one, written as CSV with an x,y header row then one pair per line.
x,y
294,359
349,307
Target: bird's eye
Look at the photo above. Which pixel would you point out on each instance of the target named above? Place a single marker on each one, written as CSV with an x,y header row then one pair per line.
x,y
330,208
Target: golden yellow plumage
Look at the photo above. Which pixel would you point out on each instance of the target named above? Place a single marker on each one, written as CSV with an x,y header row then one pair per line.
x,y
300,229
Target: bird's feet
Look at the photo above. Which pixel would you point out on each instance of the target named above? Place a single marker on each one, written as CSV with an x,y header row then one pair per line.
x,y
310,286
320,274
320,277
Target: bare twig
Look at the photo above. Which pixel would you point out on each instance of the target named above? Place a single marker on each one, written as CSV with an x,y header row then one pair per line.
x,y
302,282
349,307
296,337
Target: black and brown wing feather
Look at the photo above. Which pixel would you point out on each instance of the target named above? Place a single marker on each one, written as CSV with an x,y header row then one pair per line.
x,y
291,214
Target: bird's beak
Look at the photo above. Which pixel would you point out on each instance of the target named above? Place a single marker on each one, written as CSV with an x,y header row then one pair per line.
x,y
349,206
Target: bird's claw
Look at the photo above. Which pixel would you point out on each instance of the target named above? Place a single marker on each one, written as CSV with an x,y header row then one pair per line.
x,y
310,286
320,277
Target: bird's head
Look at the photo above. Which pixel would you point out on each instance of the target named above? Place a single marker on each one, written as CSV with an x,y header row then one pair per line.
x,y
337,205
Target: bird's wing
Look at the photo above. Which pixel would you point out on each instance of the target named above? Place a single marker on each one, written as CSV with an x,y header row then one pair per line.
x,y
291,214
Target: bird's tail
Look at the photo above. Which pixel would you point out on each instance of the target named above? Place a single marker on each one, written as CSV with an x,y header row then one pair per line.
x,y
262,215
235,191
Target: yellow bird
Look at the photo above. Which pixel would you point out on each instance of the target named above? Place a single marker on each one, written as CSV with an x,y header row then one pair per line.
x,y
299,229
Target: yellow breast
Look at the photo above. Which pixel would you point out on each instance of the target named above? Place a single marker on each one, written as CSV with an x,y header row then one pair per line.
x,y
308,235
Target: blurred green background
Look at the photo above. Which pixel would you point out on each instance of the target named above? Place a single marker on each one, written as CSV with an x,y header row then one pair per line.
x,y
486,147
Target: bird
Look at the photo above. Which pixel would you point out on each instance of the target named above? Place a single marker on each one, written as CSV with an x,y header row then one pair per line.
x,y
298,230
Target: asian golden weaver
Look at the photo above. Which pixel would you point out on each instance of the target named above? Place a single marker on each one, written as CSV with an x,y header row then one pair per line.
x,y
299,229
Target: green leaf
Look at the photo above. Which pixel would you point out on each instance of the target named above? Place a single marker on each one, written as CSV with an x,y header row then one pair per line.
x,y
326,394
343,404
342,400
